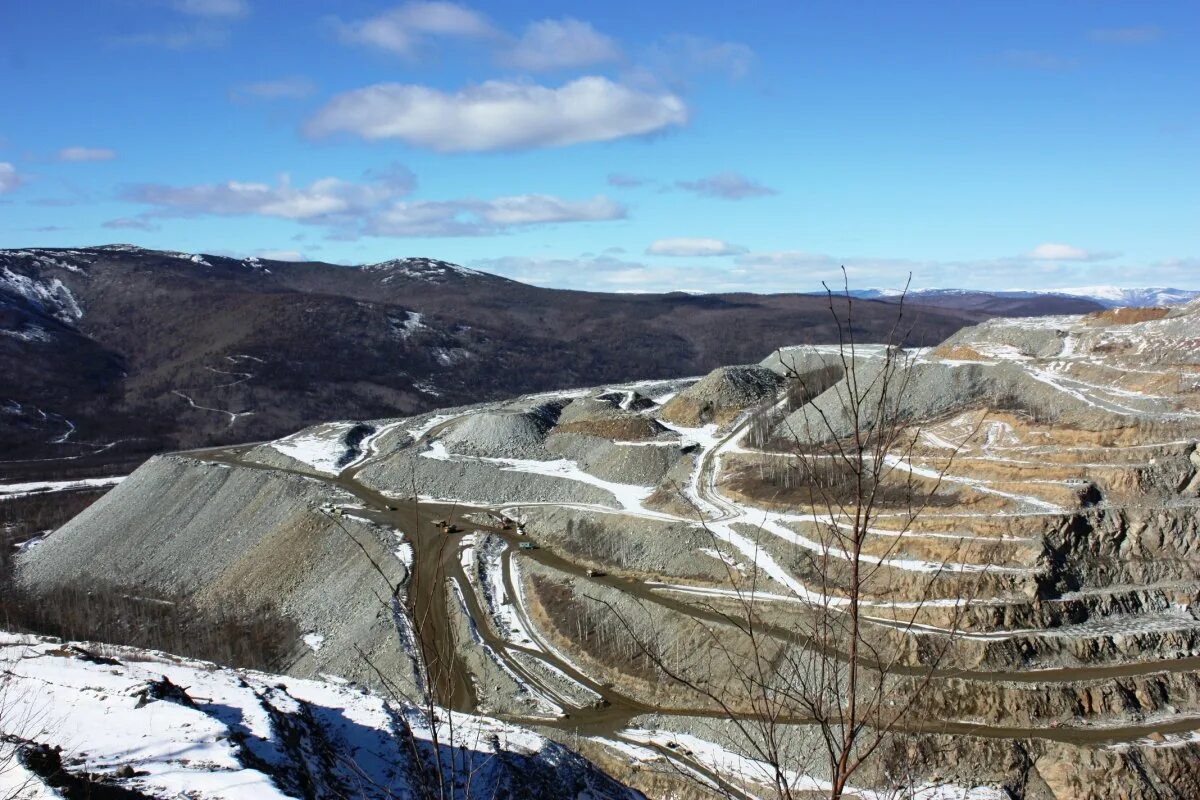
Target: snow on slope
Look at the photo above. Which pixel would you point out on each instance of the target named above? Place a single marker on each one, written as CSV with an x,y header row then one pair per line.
x,y
322,447
11,490
1116,296
1109,296
52,296
170,727
426,268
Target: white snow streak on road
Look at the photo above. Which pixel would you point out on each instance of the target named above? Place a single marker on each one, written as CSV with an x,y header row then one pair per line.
x,y
234,416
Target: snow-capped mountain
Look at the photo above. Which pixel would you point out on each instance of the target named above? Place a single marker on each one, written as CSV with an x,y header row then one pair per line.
x,y
119,351
1106,296
1114,296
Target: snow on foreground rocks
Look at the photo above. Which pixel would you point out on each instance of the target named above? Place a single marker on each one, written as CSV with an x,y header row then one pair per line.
x,y
164,727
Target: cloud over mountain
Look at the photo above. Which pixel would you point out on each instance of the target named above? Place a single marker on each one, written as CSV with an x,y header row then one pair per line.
x,y
693,248
499,115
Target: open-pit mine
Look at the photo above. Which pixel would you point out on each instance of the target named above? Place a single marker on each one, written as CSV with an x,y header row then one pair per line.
x,y
540,561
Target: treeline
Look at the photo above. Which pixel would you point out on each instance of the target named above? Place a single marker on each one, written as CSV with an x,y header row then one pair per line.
x,y
21,517
233,631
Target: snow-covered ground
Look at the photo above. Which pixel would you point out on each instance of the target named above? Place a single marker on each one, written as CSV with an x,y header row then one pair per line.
x,y
171,728
650,744
322,448
9,490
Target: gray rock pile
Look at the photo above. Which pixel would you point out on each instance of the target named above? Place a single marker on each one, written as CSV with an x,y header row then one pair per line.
x,y
721,395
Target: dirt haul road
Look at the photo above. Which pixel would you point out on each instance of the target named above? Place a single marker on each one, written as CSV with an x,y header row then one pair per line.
x,y
437,560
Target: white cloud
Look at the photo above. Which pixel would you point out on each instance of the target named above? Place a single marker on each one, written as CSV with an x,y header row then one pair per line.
x,y
86,154
1053,251
532,209
324,198
213,8
681,57
560,44
373,207
693,248
484,217
499,115
1136,35
9,179
404,29
281,255
294,88
802,271
727,186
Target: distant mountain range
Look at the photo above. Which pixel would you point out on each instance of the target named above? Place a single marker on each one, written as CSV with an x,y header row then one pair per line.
x,y
1106,296
112,353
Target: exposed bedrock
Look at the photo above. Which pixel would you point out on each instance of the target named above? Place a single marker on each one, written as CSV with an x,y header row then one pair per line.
x,y
1133,545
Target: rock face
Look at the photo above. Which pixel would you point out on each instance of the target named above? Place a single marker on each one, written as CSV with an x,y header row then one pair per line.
x,y
721,395
1048,581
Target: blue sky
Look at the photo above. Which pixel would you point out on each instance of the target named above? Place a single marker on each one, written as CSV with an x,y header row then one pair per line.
x,y
618,146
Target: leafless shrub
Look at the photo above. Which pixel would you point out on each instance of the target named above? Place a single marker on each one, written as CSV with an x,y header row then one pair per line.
x,y
233,631
828,690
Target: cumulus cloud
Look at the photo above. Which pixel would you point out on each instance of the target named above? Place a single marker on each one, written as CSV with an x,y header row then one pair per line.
x,y
9,179
373,207
1054,251
727,186
86,154
294,88
499,115
404,29
213,8
560,44
693,248
1136,35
